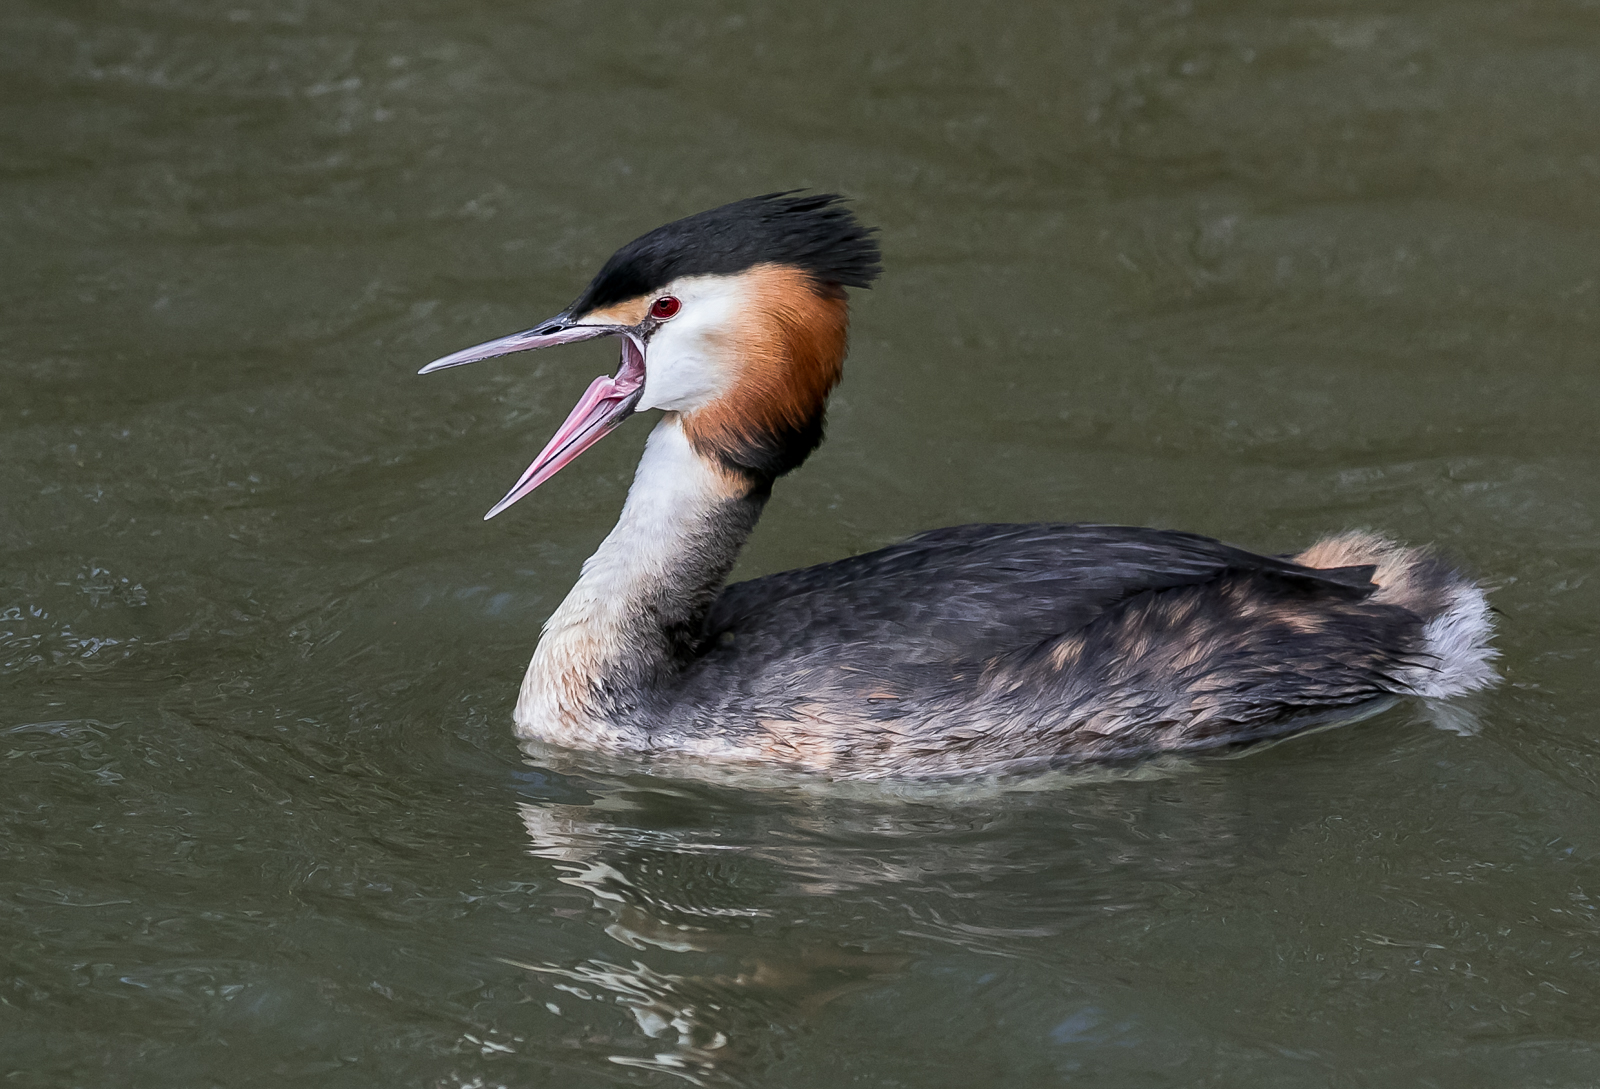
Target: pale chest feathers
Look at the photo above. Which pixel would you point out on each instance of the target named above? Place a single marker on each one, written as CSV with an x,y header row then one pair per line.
x,y
606,637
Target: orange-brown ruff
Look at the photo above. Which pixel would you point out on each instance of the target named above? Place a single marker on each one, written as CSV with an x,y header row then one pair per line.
x,y
790,348
972,649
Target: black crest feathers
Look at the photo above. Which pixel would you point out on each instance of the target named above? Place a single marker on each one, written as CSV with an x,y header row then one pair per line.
x,y
816,234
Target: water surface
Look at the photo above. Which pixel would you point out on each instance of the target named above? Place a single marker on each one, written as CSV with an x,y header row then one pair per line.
x,y
1257,270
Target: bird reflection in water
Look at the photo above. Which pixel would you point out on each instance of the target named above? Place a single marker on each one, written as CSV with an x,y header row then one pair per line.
x,y
744,911
685,891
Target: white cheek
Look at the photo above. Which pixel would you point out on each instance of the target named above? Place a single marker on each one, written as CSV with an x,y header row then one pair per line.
x,y
680,376
684,364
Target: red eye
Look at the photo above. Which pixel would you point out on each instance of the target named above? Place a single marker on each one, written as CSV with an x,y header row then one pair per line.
x,y
664,307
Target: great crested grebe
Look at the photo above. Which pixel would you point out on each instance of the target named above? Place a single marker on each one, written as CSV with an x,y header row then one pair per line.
x,y
970,649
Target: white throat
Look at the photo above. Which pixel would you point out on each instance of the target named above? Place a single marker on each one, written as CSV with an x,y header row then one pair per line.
x,y
663,557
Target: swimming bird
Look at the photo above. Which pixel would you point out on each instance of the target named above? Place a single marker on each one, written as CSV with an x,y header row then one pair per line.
x,y
968,650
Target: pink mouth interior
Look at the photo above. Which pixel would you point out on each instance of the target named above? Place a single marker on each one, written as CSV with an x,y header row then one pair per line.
x,y
605,404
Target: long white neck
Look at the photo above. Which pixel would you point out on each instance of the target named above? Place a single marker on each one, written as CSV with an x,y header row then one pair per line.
x,y
634,616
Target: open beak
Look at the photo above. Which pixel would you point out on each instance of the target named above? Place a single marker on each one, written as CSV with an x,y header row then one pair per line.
x,y
608,401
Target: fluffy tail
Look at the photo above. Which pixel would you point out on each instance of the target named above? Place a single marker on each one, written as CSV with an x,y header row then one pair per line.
x,y
1454,611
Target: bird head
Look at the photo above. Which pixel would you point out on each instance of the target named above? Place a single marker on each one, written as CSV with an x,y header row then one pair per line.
x,y
735,319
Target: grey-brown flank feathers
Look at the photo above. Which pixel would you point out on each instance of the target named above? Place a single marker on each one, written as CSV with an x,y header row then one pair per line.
x,y
1008,647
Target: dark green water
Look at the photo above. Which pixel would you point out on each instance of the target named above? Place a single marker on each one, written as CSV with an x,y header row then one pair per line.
x,y
1257,270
